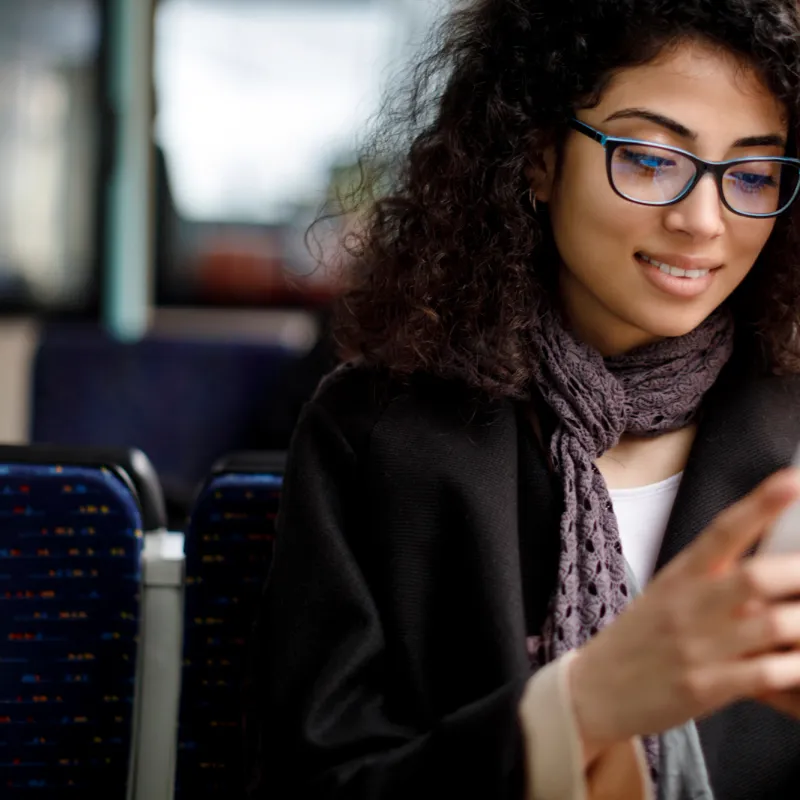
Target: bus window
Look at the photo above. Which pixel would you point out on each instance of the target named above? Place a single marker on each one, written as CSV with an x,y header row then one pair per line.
x,y
49,141
261,107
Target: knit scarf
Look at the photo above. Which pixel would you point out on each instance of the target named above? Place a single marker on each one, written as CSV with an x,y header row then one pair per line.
x,y
649,391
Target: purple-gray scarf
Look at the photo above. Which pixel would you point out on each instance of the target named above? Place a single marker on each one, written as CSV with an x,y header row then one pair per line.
x,y
652,390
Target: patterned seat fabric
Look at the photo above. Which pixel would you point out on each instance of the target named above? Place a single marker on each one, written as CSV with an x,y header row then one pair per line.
x,y
228,552
70,544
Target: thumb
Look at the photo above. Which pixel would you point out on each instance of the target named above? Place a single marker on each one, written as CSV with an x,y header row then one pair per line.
x,y
739,527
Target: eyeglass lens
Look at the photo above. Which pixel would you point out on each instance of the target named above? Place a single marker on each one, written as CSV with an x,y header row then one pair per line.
x,y
653,175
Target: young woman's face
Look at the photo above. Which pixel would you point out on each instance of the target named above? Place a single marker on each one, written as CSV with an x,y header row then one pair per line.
x,y
707,103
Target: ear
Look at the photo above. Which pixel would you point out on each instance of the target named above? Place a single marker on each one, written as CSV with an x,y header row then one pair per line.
x,y
541,174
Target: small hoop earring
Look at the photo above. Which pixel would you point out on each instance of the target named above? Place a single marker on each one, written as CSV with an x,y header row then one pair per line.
x,y
532,198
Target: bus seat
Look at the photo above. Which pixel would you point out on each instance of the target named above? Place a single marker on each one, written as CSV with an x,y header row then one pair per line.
x,y
184,402
72,526
228,551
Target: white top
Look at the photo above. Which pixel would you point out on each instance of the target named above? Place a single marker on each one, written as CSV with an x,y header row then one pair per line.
x,y
642,516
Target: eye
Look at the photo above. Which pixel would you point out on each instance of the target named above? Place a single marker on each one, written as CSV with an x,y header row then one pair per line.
x,y
645,160
753,181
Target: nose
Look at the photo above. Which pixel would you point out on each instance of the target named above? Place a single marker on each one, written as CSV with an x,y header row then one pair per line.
x,y
700,215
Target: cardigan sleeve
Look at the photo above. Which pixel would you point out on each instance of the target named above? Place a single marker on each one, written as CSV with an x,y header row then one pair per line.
x,y
554,752
319,723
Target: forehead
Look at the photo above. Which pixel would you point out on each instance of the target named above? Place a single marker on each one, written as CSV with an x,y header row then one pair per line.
x,y
705,88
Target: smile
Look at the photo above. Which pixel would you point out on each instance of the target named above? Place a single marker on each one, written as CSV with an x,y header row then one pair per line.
x,y
692,279
676,272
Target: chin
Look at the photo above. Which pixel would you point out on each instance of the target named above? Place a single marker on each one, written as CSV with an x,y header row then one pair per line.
x,y
669,325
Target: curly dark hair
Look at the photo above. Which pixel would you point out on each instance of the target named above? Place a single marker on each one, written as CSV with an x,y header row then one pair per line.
x,y
450,265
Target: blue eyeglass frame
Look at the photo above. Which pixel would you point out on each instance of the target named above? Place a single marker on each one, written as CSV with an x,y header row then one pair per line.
x,y
715,168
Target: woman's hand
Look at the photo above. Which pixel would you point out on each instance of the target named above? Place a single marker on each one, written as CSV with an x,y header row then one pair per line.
x,y
710,629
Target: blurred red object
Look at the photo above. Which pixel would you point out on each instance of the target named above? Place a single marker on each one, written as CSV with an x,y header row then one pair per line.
x,y
247,268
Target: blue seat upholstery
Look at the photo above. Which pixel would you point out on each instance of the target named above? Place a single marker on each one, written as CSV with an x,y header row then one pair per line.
x,y
71,533
183,402
228,551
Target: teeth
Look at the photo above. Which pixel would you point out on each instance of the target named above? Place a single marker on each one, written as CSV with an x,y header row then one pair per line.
x,y
676,271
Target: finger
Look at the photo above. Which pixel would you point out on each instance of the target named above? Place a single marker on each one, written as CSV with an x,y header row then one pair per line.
x,y
739,527
749,678
768,577
750,586
776,626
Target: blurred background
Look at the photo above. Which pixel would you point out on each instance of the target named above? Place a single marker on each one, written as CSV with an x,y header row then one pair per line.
x,y
161,162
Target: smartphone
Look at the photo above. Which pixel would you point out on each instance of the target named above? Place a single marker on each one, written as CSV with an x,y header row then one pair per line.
x,y
784,537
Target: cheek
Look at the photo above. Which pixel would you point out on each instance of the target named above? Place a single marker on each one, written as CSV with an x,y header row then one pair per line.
x,y
579,208
747,242
581,188
593,225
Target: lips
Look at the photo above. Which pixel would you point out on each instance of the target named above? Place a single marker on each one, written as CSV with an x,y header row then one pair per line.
x,y
680,262
667,278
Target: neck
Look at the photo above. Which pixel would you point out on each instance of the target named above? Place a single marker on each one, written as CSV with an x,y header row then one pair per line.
x,y
643,460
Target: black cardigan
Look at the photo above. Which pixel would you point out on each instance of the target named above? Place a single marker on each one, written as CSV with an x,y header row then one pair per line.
x,y
417,547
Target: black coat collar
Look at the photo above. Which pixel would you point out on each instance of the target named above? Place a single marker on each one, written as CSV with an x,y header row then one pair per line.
x,y
750,427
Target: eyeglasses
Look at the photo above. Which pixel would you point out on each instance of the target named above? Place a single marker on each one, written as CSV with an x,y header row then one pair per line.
x,y
659,175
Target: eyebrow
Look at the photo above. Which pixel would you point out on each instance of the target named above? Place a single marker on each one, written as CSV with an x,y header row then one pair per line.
x,y
768,140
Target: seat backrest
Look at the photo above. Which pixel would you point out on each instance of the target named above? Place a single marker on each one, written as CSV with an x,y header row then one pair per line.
x,y
228,552
184,402
72,523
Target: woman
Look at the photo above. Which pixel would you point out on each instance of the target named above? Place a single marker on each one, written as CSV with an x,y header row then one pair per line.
x,y
575,324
